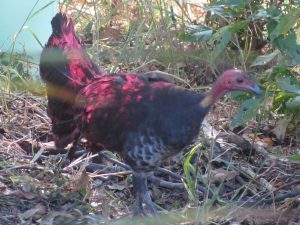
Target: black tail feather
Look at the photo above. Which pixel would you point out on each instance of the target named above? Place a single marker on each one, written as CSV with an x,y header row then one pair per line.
x,y
66,68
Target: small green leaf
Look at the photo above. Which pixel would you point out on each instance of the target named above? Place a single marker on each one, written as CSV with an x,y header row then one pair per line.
x,y
5,59
196,35
264,59
286,22
287,42
220,39
215,9
247,111
238,26
203,35
285,84
294,103
274,12
260,15
232,3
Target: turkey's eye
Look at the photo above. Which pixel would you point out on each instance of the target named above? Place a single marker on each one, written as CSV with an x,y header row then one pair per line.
x,y
239,80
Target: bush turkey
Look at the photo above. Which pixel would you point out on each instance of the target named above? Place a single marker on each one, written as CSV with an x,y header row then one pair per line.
x,y
144,120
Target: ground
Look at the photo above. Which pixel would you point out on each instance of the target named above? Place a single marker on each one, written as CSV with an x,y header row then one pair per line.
x,y
248,184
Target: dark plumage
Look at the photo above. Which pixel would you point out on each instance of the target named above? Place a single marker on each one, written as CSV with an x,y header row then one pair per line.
x,y
145,120
148,121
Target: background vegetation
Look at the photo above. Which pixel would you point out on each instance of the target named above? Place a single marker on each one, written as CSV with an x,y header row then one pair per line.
x,y
192,40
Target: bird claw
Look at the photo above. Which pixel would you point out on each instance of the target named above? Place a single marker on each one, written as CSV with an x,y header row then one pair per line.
x,y
142,196
139,209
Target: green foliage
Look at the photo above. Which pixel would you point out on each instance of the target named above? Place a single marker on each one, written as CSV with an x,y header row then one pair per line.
x,y
288,96
196,33
189,169
288,84
248,26
264,59
229,28
219,40
282,25
14,70
285,23
294,158
283,88
247,111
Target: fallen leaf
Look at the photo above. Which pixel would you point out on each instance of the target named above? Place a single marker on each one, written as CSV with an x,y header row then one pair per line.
x,y
280,129
53,215
268,142
38,154
83,183
34,213
220,175
26,195
4,189
116,187
2,186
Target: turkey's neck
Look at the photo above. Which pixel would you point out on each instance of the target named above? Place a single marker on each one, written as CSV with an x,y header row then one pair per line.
x,y
217,91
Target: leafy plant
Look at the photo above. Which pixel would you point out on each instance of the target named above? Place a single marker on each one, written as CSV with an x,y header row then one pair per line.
x,y
287,96
245,26
247,111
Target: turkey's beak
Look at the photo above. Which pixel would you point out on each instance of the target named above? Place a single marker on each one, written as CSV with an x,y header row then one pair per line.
x,y
254,88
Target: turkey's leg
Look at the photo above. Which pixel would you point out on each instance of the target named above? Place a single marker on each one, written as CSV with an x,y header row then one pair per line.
x,y
142,195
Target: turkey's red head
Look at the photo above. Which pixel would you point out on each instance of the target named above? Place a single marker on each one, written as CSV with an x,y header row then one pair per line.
x,y
230,80
237,80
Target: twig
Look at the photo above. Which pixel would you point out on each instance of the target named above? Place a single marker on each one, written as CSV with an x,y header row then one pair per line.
x,y
104,156
80,160
273,163
105,175
27,166
92,167
288,184
240,180
271,200
170,173
28,145
282,197
166,184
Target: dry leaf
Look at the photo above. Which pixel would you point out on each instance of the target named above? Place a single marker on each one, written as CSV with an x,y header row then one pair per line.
x,y
280,129
268,142
26,195
220,175
53,215
34,213
116,187
83,182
